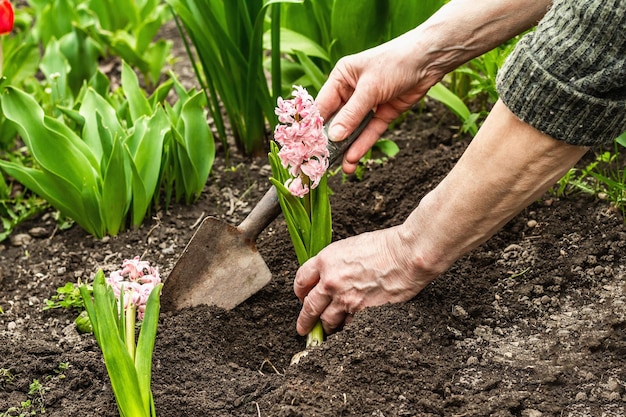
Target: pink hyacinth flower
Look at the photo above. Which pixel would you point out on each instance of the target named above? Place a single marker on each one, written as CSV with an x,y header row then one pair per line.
x,y
138,279
302,139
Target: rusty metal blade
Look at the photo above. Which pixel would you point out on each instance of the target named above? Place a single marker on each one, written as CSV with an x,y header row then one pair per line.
x,y
218,267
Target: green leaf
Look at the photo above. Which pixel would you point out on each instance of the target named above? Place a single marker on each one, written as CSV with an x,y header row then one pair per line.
x,y
146,147
137,101
145,345
57,152
406,15
387,147
115,200
315,76
440,93
55,67
358,25
120,366
295,220
92,104
62,195
198,142
321,221
292,42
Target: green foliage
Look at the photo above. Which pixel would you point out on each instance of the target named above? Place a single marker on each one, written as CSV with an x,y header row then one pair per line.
x,y
316,34
227,37
604,177
34,403
442,94
16,206
102,164
378,154
92,29
129,374
67,296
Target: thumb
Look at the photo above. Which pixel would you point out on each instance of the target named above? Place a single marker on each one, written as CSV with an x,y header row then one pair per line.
x,y
348,118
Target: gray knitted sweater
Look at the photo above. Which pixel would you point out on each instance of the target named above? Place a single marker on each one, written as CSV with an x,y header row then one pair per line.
x,y
568,77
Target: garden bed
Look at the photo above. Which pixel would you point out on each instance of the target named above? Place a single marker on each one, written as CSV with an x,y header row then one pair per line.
x,y
532,323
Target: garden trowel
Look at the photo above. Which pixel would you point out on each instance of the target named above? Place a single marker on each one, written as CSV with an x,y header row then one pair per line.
x,y
221,265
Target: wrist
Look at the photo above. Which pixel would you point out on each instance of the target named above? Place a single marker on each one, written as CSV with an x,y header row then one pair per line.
x,y
426,255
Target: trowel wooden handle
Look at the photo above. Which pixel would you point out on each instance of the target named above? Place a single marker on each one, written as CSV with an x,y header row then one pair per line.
x,y
268,208
261,216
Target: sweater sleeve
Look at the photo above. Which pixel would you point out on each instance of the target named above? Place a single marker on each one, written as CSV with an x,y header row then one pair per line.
x,y
568,77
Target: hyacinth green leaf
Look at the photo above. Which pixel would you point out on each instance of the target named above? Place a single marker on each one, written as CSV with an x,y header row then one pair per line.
x,y
119,364
115,184
85,294
54,149
145,345
321,221
137,101
296,219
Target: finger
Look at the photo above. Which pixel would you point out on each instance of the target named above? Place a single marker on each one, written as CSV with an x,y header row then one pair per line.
x,y
312,307
333,94
351,114
333,319
363,144
307,277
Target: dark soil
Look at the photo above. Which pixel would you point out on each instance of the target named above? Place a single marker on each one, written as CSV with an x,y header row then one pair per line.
x,y
532,323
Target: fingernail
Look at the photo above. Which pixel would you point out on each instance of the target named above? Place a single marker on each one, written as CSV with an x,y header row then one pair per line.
x,y
337,133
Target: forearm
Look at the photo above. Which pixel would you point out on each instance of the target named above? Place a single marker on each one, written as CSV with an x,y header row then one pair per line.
x,y
464,29
508,165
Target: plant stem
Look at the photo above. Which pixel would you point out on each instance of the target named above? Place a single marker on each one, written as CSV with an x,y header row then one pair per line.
x,y
130,330
315,336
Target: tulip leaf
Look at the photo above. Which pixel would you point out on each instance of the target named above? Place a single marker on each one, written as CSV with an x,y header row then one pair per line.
x,y
91,104
54,150
114,189
137,101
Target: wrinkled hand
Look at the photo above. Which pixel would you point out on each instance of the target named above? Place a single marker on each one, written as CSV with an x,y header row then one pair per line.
x,y
389,78
365,270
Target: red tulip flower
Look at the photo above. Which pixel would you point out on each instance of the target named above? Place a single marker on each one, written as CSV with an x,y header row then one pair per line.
x,y
7,17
